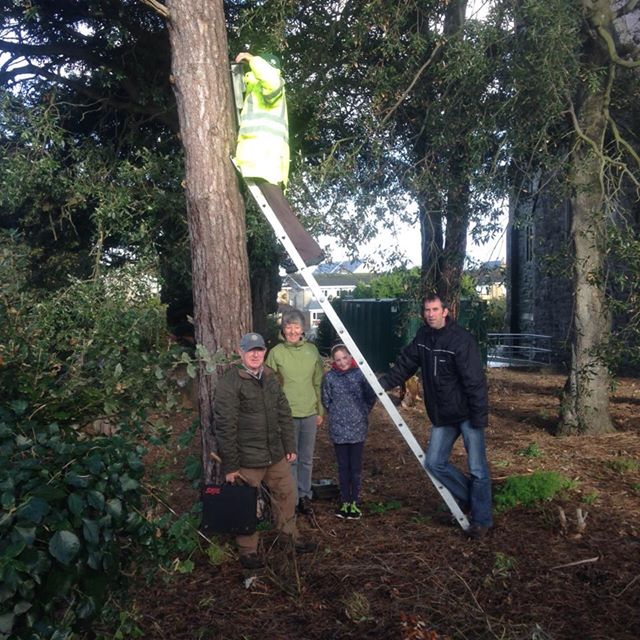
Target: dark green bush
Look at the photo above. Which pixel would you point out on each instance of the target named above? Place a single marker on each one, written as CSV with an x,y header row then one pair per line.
x,y
73,506
96,349
71,514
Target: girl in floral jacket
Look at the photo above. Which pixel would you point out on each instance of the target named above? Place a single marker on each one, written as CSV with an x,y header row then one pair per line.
x,y
348,399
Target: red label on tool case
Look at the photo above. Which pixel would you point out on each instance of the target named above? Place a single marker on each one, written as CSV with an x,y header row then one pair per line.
x,y
212,491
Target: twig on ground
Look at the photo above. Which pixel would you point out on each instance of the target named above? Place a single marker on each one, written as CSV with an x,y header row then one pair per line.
x,y
576,563
617,595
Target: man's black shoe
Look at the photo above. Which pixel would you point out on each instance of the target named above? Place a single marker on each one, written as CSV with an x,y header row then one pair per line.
x,y
477,531
305,507
251,561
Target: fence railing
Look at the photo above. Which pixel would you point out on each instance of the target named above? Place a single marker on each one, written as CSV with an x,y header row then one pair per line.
x,y
518,349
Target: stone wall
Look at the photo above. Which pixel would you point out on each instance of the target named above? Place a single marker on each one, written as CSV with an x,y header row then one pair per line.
x,y
539,276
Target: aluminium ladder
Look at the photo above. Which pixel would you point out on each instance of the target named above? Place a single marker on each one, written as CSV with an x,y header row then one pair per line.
x,y
394,414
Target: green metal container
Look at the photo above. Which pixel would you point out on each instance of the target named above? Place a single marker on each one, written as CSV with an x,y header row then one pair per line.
x,y
382,327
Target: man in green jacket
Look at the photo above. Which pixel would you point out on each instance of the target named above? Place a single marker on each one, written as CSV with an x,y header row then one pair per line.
x,y
254,430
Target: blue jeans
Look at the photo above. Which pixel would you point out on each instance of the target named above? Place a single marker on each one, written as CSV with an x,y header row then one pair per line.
x,y
305,433
473,491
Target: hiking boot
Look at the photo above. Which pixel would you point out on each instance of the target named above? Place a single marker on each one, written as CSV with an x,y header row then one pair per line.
x,y
305,546
354,512
477,531
343,510
251,561
305,507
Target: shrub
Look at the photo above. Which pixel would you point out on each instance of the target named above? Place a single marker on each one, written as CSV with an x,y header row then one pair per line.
x,y
530,451
96,349
71,513
72,505
622,465
528,490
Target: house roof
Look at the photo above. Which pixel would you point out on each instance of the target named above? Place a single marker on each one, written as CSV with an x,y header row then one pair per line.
x,y
348,266
295,280
489,273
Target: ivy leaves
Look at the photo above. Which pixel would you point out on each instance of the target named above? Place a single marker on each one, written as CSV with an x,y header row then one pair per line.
x,y
69,506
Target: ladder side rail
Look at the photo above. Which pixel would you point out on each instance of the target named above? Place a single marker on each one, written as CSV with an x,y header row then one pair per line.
x,y
372,379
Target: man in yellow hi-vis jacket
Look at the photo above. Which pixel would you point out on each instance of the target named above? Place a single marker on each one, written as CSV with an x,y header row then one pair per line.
x,y
262,152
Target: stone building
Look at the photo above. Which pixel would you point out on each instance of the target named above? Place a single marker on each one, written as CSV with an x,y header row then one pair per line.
x,y
539,289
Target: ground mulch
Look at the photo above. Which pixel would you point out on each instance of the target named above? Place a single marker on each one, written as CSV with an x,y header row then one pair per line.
x,y
406,572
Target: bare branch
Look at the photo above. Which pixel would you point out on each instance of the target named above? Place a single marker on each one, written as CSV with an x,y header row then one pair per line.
x,y
413,82
576,563
611,47
158,7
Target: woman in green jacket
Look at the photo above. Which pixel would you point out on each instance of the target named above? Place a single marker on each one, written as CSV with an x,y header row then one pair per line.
x,y
299,367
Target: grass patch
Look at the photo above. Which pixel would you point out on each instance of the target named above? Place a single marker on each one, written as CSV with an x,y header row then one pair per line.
x,y
503,565
420,519
528,490
383,507
531,451
622,465
590,498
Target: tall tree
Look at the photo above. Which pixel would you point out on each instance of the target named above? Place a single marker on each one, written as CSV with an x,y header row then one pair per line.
x,y
568,119
215,210
598,152
386,110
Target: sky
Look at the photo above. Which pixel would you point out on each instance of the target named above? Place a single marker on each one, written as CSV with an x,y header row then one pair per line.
x,y
407,239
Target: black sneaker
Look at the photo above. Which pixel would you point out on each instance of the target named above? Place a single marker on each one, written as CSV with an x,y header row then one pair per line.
x,y
251,561
305,507
343,510
477,531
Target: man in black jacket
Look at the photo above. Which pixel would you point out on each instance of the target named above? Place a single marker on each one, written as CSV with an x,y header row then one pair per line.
x,y
456,400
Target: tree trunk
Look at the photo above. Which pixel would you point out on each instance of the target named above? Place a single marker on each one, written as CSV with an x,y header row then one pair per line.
x,y
215,210
265,284
443,262
585,400
455,248
432,243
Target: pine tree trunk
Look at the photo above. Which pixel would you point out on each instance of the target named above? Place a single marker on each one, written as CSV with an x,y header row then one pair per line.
x,y
215,210
585,400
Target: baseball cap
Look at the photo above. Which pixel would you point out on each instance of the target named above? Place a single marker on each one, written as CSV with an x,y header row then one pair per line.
x,y
252,341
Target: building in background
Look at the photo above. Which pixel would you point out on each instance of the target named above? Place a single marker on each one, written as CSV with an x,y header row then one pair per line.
x,y
335,279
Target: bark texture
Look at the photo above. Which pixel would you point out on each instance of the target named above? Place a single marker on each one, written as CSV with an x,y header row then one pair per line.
x,y
585,401
215,210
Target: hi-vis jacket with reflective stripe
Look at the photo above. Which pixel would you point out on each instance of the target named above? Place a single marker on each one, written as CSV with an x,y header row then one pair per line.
x,y
263,139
